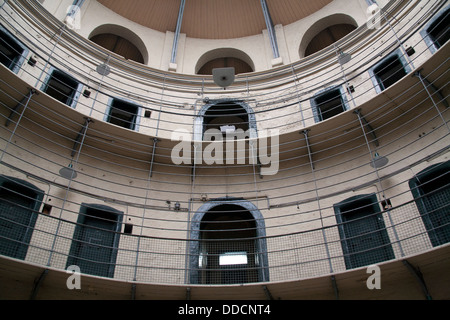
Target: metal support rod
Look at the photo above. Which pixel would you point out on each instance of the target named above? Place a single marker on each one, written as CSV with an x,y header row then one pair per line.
x,y
371,130
149,178
13,111
28,97
306,132
423,80
344,76
50,56
270,29
298,97
103,74
188,224
176,38
86,124
398,41
388,212
419,277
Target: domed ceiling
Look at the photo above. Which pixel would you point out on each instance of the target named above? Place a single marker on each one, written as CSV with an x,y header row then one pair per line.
x,y
213,19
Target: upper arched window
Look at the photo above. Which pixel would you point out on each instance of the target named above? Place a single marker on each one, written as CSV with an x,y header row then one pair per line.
x,y
119,45
325,32
224,58
121,41
238,65
327,37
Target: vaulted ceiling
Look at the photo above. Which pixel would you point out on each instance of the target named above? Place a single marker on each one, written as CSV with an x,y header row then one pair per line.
x,y
213,19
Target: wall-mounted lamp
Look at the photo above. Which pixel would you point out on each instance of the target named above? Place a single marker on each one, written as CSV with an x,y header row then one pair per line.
x,y
68,172
177,206
344,58
223,77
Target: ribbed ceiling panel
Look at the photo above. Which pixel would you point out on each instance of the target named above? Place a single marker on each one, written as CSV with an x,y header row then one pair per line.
x,y
213,19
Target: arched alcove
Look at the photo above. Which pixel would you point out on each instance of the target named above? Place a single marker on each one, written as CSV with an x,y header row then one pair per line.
x,y
222,58
325,32
121,41
225,112
228,243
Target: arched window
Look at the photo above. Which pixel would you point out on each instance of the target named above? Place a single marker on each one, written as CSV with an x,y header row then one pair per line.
x,y
325,32
239,65
19,203
327,37
119,45
228,244
431,191
226,116
224,58
121,41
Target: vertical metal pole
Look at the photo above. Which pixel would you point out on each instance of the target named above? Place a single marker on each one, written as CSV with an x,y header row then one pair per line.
x,y
270,29
173,58
305,133
149,178
388,212
50,55
86,124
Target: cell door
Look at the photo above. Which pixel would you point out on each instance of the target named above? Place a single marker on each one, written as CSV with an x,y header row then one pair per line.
x,y
17,218
364,237
94,249
431,190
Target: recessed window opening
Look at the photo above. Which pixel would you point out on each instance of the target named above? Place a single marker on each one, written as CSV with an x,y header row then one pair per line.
x,y
19,203
12,53
439,30
329,104
62,87
389,72
123,113
431,191
228,253
327,37
363,234
239,65
119,45
95,240
226,117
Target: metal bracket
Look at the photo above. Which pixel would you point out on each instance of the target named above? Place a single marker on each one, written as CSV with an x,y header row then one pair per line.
x,y
38,284
24,101
367,124
267,292
419,277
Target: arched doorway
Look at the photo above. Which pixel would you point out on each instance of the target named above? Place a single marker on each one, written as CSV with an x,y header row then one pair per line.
x,y
228,243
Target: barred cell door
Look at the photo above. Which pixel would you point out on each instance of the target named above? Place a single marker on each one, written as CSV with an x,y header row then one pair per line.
x,y
17,219
364,237
431,190
94,246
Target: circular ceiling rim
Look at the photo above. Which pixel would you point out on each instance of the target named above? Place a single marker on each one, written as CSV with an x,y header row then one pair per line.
x,y
213,19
